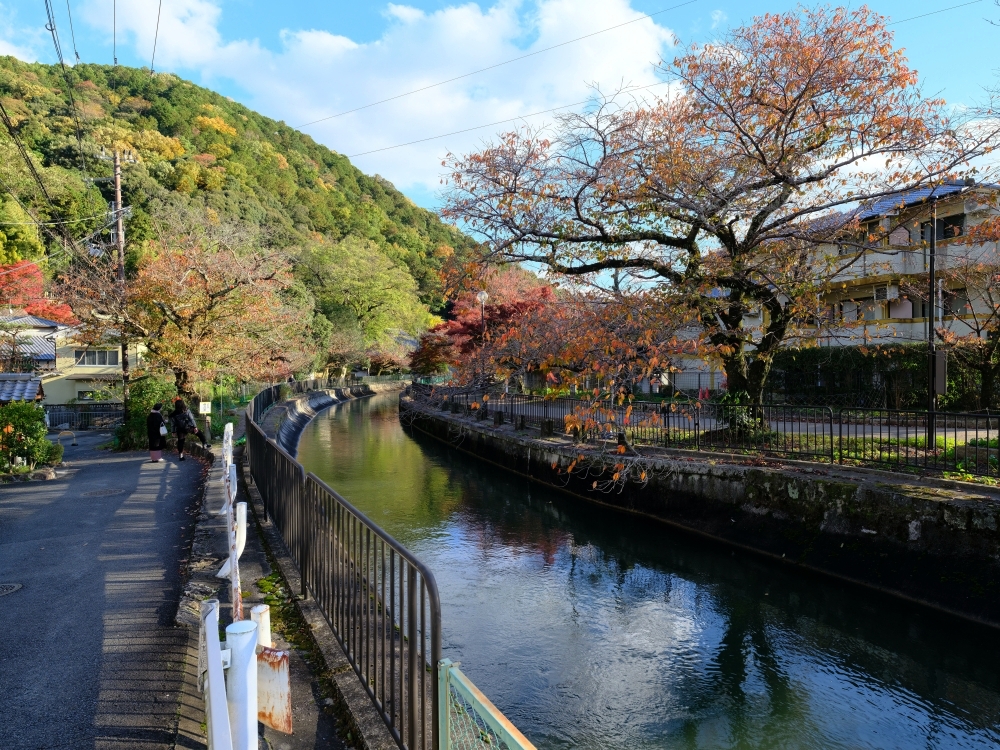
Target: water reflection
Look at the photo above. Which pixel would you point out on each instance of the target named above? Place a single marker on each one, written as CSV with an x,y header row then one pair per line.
x,y
594,629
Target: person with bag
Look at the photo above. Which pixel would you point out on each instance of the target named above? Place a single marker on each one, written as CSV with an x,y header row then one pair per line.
x,y
185,425
156,431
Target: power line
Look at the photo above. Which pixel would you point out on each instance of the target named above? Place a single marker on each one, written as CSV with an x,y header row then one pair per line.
x,y
51,26
50,223
156,36
554,109
491,124
934,12
501,64
31,168
72,33
114,31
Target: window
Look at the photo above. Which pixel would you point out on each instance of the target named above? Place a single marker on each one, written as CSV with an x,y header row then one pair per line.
x,y
96,357
85,395
956,302
948,228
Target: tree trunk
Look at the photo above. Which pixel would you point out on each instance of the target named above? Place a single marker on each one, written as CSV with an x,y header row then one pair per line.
x,y
747,375
183,384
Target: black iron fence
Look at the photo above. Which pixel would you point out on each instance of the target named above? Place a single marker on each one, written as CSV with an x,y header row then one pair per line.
x,y
381,602
886,438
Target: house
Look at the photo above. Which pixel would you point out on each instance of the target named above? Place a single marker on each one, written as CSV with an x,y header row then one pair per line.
x,y
71,372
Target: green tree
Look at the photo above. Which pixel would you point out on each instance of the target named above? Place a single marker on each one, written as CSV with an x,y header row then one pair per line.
x,y
22,433
369,300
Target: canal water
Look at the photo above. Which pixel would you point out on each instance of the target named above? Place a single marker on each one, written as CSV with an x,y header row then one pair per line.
x,y
590,628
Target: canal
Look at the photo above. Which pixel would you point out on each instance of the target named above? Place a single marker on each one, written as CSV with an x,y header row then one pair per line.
x,y
594,629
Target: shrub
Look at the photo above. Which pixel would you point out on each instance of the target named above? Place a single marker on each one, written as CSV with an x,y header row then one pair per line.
x,y
55,455
22,434
143,394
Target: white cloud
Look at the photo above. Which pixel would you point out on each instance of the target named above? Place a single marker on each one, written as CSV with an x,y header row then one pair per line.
x,y
317,73
719,17
29,39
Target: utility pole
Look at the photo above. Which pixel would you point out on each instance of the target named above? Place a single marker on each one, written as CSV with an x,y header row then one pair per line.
x,y
932,386
120,242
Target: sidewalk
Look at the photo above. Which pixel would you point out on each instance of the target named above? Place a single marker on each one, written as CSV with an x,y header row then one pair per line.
x,y
92,657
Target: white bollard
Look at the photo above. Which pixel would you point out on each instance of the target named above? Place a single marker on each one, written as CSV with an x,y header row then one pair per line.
x,y
261,614
241,683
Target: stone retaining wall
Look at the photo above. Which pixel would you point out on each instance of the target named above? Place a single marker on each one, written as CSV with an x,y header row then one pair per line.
x,y
927,540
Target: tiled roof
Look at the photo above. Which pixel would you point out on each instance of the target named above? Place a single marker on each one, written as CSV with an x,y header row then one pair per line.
x,y
19,387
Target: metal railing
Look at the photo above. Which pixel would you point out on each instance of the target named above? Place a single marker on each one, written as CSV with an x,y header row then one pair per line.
x,y
381,602
469,720
83,416
883,438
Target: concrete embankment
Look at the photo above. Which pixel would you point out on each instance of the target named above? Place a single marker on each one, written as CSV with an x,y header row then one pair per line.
x,y
929,540
285,420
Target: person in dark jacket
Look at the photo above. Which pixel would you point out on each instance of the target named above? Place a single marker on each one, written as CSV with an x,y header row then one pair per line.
x,y
185,425
153,424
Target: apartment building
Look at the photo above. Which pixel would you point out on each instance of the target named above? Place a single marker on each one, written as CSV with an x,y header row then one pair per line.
x,y
883,295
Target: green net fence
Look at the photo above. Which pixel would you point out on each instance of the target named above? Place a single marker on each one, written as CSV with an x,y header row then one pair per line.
x,y
473,722
468,729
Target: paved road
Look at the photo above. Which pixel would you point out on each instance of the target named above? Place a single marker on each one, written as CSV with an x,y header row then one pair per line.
x,y
91,658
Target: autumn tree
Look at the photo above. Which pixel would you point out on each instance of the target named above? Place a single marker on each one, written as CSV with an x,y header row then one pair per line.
x,y
206,299
734,193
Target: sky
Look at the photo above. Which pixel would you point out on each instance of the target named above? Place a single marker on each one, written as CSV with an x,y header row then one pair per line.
x,y
302,61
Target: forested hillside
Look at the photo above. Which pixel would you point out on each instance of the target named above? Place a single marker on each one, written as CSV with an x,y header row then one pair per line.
x,y
200,153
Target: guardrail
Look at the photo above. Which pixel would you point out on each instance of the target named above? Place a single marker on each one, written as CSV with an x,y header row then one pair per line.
x,y
380,601
468,718
258,686
883,438
83,416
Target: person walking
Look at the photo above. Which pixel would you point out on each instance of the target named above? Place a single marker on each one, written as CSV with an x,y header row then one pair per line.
x,y
156,431
185,425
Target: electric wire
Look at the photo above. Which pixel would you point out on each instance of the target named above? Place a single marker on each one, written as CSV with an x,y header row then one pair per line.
x,y
50,223
498,122
72,33
934,12
34,172
501,64
51,26
554,109
156,36
114,31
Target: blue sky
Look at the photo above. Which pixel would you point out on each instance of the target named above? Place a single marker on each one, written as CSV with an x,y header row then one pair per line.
x,y
302,60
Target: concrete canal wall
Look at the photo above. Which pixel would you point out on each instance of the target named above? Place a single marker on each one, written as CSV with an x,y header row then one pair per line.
x,y
285,420
929,540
